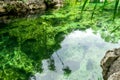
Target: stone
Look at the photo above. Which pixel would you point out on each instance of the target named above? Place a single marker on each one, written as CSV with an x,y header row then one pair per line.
x,y
2,9
110,63
115,76
114,67
54,3
16,7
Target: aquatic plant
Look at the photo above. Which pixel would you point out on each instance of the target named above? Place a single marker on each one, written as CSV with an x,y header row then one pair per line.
x,y
25,42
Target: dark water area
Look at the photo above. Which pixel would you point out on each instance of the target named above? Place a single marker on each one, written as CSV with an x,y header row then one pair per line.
x,y
80,54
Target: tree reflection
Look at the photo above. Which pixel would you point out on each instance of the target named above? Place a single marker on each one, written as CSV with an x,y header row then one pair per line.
x,y
65,69
51,63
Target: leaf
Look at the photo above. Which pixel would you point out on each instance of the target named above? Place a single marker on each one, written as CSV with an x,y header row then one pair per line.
x,y
93,10
105,2
115,9
85,2
115,29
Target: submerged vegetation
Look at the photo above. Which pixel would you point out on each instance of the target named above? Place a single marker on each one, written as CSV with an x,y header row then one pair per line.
x,y
25,42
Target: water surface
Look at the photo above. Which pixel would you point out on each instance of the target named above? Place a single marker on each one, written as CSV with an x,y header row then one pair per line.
x,y
78,58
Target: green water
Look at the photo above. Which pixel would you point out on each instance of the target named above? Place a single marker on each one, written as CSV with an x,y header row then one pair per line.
x,y
58,45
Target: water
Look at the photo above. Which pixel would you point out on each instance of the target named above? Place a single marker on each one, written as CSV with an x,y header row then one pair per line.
x,y
78,58
36,44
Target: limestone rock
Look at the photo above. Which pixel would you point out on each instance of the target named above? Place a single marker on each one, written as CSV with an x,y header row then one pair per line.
x,y
54,3
115,76
17,7
110,63
2,10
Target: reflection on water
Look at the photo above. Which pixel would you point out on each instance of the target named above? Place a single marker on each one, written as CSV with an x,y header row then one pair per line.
x,y
78,59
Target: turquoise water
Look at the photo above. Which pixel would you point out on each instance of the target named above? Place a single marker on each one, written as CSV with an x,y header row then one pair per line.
x,y
78,58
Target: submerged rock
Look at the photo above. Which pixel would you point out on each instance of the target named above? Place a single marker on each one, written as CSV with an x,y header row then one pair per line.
x,y
111,65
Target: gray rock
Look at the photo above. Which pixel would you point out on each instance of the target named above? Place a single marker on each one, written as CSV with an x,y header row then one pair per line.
x,y
30,6
115,76
111,63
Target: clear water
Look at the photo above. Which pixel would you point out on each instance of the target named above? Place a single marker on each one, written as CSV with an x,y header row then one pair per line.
x,y
26,42
78,58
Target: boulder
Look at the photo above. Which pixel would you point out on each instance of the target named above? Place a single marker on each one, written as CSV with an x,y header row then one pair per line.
x,y
54,3
17,7
2,9
115,76
111,64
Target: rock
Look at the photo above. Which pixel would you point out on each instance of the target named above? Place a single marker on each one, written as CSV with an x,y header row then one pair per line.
x,y
54,3
2,10
115,76
34,6
59,3
111,63
4,19
16,7
22,8
34,1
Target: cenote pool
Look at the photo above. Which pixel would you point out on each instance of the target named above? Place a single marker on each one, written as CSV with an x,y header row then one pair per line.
x,y
57,45
78,58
